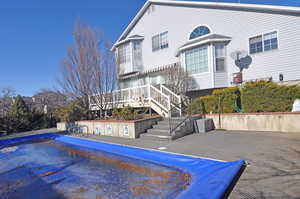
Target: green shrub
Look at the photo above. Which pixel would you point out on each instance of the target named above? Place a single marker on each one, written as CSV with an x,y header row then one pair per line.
x,y
265,96
210,104
69,113
196,107
227,99
20,115
126,113
221,100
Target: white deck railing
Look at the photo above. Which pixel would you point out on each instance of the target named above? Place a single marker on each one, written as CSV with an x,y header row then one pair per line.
x,y
163,97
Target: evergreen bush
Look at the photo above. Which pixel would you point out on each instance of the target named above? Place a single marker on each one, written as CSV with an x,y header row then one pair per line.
x,y
69,113
266,96
260,96
221,100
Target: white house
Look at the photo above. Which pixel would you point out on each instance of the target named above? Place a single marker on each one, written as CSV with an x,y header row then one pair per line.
x,y
201,36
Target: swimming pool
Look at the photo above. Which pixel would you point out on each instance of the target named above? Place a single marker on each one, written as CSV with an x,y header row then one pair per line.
x,y
56,166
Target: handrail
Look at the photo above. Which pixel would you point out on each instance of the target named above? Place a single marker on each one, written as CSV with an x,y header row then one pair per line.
x,y
174,98
166,106
157,90
173,129
162,87
178,125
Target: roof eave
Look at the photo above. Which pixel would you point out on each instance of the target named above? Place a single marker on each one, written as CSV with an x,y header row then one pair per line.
x,y
124,41
134,21
199,43
286,9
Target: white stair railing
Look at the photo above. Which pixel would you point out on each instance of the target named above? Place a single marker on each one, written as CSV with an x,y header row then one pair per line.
x,y
175,99
160,99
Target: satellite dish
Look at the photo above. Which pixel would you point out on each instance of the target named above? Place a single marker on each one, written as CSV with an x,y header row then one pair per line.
x,y
241,59
236,55
243,63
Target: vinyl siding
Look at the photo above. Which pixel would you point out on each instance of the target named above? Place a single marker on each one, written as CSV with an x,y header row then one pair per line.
x,y
221,79
240,25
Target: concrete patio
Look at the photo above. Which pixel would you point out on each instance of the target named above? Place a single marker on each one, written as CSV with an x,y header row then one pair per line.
x,y
274,158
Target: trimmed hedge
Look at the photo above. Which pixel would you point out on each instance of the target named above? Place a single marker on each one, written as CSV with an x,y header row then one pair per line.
x,y
264,96
260,96
222,100
227,98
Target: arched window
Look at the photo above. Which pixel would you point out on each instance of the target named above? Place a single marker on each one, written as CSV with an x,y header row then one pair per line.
x,y
199,31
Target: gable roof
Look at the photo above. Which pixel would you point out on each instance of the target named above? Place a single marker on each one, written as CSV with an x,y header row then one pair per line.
x,y
214,5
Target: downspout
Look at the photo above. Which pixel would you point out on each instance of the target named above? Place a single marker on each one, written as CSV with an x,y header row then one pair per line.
x,y
211,57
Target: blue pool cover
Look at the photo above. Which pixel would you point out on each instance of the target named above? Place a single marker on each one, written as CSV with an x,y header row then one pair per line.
x,y
57,166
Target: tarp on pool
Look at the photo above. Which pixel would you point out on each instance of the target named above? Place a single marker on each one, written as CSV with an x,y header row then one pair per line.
x,y
209,178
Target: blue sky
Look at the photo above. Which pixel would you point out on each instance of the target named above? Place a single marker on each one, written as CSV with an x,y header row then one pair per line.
x,y
34,35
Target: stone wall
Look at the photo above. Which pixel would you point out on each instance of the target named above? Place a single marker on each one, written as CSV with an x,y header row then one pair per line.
x,y
281,122
127,129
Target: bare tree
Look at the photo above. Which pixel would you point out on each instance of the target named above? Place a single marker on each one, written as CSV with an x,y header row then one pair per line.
x,y
177,79
78,66
86,73
105,80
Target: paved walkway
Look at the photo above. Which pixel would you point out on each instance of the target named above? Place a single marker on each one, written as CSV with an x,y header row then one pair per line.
x,y
274,158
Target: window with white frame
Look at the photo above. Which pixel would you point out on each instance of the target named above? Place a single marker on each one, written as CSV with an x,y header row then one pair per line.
x,y
265,42
124,53
270,41
160,41
199,32
256,44
155,43
164,40
220,56
196,60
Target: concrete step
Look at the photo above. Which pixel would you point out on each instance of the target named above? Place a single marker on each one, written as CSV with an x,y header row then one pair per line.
x,y
161,126
167,122
158,131
174,119
153,137
161,131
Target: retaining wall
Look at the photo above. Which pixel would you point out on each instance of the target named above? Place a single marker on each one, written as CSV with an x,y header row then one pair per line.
x,y
117,128
281,122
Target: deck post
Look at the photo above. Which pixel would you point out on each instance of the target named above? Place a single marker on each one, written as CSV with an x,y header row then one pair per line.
x,y
180,106
149,99
129,94
149,93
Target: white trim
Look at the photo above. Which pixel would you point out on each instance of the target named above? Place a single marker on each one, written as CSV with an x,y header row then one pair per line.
x,y
276,37
211,56
225,57
210,32
203,42
208,62
160,41
132,56
263,43
116,45
253,7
